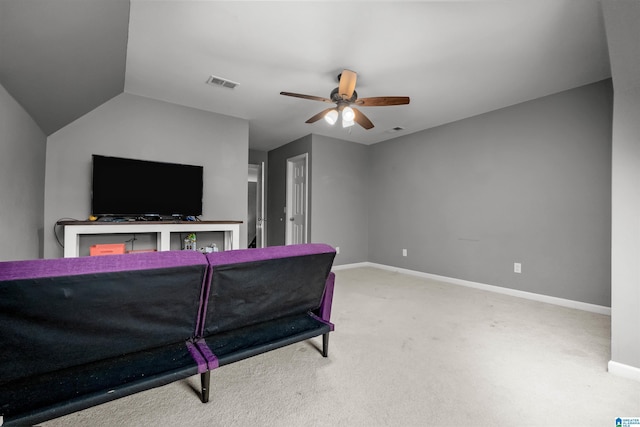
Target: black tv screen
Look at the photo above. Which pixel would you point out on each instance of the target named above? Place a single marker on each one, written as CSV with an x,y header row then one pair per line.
x,y
130,187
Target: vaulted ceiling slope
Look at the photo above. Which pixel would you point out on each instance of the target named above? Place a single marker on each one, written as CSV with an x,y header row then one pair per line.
x,y
62,58
455,59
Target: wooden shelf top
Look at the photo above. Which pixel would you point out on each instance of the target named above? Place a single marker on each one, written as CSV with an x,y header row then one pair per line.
x,y
71,222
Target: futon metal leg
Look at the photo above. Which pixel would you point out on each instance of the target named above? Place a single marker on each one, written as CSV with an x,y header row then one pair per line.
x,y
205,378
325,345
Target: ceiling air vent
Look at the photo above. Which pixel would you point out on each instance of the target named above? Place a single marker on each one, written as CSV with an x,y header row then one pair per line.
x,y
395,129
219,81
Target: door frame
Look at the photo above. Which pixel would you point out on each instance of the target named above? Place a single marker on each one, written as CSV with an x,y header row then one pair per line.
x,y
261,220
288,209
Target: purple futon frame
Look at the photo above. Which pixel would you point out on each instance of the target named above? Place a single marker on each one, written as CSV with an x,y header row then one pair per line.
x,y
78,332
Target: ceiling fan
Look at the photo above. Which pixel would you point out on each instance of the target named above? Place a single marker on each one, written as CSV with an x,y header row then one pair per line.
x,y
345,97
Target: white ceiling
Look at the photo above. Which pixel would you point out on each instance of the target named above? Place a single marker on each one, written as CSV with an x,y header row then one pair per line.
x,y
62,58
454,59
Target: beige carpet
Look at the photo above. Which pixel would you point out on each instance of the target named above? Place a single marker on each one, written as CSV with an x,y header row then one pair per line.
x,y
408,351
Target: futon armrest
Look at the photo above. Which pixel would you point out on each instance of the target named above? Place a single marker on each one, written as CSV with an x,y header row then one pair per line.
x,y
324,311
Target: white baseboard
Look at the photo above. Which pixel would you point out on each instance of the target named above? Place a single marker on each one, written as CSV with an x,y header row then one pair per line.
x,y
625,371
348,266
599,309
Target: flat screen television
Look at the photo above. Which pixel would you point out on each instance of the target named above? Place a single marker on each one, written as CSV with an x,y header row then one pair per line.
x,y
132,188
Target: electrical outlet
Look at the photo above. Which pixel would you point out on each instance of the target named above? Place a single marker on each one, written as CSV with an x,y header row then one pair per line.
x,y
517,267
337,250
404,252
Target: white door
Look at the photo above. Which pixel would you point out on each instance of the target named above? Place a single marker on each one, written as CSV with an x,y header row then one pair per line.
x,y
297,200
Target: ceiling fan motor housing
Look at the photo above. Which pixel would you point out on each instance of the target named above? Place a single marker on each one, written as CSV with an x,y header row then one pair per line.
x,y
335,97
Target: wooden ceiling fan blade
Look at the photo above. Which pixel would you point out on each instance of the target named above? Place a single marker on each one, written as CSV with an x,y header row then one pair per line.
x,y
382,101
311,97
347,83
361,119
319,116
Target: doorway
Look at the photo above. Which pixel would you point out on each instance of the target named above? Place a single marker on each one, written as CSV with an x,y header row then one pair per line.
x,y
256,221
297,200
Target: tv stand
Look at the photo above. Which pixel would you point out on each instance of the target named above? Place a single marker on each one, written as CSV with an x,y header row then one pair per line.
x,y
163,229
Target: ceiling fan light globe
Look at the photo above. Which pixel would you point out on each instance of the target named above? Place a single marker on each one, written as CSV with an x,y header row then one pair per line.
x,y
347,123
348,115
331,117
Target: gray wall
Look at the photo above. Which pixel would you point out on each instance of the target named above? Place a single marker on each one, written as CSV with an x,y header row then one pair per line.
x,y
137,127
22,160
277,187
623,33
530,183
340,197
257,156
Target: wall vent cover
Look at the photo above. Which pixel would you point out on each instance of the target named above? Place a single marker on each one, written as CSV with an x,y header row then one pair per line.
x,y
219,81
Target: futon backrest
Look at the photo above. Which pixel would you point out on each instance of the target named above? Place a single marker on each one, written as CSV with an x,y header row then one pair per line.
x,y
58,313
250,286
